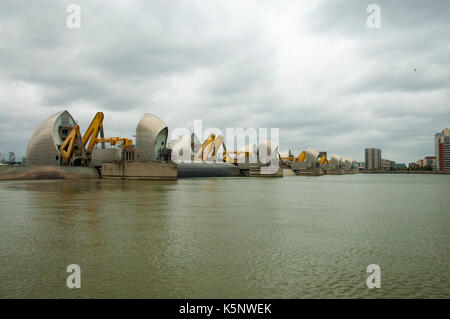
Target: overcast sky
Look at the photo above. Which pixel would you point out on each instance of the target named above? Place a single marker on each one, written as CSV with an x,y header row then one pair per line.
x,y
311,68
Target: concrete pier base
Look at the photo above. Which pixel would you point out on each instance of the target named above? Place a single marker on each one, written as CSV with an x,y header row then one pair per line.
x,y
11,172
207,170
245,169
339,171
147,170
311,172
245,172
255,171
288,172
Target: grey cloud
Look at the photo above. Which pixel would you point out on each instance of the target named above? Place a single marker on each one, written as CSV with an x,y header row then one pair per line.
x,y
413,34
219,62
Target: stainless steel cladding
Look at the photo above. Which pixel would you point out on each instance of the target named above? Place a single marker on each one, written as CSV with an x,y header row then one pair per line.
x,y
185,147
311,158
43,146
335,161
151,138
348,163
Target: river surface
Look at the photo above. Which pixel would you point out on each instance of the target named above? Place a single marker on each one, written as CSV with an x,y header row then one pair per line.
x,y
292,237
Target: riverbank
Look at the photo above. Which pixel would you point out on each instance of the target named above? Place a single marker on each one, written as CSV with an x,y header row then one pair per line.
x,y
405,172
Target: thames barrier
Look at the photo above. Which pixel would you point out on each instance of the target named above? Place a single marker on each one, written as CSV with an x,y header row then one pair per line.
x,y
58,150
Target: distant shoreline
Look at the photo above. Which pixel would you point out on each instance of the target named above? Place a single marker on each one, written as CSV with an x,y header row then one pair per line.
x,y
405,172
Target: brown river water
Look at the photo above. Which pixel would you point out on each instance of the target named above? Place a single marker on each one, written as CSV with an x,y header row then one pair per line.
x,y
292,237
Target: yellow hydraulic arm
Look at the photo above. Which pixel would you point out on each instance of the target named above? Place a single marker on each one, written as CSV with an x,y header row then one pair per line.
x,y
122,141
207,144
227,158
300,158
74,138
92,132
67,147
217,142
323,160
211,144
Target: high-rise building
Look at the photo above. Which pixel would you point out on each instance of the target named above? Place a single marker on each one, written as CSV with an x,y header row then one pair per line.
x,y
400,165
442,150
372,159
429,161
420,163
387,165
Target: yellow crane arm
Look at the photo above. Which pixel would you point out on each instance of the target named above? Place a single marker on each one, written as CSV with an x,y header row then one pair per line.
x,y
114,140
217,143
207,144
227,158
300,158
323,160
92,132
210,146
68,145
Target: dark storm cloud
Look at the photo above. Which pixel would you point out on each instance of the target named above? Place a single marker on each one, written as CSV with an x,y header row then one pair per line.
x,y
314,70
